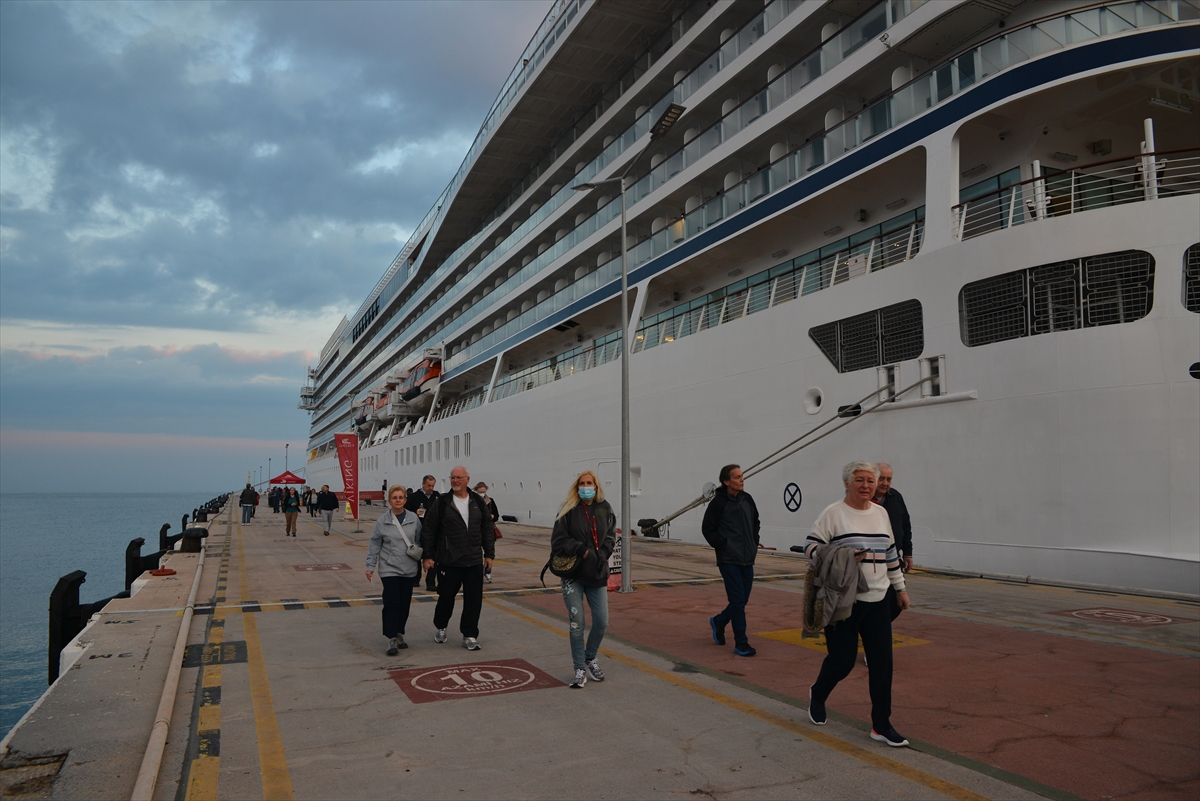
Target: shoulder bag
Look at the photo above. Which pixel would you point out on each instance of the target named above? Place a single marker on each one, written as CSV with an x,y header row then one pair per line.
x,y
569,566
414,551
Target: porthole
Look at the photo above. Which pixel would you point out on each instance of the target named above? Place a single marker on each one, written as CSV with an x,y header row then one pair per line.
x,y
813,400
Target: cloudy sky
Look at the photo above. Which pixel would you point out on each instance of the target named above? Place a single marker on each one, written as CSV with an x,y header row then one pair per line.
x,y
192,195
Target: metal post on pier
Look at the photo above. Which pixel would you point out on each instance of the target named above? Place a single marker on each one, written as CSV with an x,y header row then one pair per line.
x,y
659,129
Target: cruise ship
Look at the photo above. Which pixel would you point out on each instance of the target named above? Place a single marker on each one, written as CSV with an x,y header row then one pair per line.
x,y
958,236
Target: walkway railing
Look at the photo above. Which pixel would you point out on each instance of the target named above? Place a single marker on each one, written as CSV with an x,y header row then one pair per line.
x,y
554,369
1113,182
460,404
934,87
773,288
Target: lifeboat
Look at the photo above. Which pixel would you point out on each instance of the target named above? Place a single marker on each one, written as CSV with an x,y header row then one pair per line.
x,y
418,388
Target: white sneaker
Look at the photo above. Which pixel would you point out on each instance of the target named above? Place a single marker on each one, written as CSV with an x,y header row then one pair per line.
x,y
580,679
440,636
470,643
593,668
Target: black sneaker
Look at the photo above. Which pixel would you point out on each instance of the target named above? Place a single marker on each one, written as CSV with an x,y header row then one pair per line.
x,y
890,736
718,632
816,710
745,649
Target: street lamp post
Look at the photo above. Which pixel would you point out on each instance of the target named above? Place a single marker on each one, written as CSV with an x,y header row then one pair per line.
x,y
669,117
286,445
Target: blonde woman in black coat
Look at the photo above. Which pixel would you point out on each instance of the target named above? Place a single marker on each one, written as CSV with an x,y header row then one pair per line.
x,y
586,529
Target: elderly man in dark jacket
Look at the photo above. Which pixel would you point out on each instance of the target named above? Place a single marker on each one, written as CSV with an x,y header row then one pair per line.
x,y
897,510
731,527
458,533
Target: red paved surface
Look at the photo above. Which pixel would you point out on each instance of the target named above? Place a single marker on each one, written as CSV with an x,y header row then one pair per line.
x,y
1093,719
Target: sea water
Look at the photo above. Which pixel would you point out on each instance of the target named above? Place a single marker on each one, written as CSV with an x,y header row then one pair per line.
x,y
44,536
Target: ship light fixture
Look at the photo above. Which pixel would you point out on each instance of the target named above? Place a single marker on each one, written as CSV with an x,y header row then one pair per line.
x,y
658,130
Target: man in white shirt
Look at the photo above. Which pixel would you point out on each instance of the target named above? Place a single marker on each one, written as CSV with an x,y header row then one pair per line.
x,y
855,522
458,534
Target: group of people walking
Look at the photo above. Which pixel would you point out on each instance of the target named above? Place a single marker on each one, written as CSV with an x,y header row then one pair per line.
x,y
452,537
861,546
859,549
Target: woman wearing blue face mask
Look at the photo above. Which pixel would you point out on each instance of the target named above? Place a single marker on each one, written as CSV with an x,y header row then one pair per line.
x,y
586,529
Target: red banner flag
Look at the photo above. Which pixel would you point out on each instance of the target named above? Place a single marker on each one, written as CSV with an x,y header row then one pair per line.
x,y
347,451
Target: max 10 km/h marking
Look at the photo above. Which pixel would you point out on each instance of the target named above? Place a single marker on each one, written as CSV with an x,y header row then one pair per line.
x,y
1122,617
423,685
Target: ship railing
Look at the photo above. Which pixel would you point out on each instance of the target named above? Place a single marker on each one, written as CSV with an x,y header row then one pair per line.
x,y
460,404
749,34
551,370
779,286
1101,184
918,96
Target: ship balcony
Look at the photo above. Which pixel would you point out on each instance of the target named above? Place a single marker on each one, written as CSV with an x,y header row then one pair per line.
x,y
1113,182
954,76
308,392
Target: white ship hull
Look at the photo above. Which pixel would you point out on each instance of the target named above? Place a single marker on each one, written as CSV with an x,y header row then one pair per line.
x,y
1070,456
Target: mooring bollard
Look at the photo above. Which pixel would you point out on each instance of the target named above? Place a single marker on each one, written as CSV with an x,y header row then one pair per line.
x,y
136,564
166,542
67,617
192,540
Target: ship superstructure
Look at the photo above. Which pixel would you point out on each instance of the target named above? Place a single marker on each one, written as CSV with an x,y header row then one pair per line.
x,y
984,213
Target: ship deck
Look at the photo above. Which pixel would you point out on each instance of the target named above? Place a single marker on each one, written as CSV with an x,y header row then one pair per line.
x,y
1006,690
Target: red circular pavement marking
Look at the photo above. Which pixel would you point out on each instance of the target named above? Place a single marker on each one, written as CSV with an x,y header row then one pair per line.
x,y
1124,616
465,680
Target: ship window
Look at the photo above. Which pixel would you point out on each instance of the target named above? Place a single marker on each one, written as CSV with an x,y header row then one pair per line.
x,y
439,450
1063,296
1191,278
891,334
421,452
467,444
396,458
446,447
456,446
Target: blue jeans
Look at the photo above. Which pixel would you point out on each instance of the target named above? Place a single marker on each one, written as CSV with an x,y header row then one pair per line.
x,y
247,512
597,599
739,579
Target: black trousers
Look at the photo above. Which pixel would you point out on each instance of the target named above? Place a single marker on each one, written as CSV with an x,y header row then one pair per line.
x,y
449,579
397,597
873,622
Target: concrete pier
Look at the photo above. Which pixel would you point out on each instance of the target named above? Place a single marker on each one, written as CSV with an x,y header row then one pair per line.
x,y
1006,690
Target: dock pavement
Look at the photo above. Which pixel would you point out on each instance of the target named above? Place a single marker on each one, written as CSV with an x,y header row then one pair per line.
x,y
1006,690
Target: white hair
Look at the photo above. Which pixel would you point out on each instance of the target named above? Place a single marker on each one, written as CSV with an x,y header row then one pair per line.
x,y
849,470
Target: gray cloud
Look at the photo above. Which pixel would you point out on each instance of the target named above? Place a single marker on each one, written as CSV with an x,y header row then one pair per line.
x,y
203,390
195,165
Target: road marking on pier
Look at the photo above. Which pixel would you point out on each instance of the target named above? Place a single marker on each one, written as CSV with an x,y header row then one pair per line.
x,y
817,643
272,761
872,758
203,772
423,685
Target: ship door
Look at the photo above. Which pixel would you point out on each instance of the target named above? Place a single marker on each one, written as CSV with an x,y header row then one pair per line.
x,y
610,480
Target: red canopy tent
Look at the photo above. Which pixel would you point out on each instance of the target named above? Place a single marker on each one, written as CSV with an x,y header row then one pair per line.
x,y
287,477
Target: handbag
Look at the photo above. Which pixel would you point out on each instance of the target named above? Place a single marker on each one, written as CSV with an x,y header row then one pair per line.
x,y
414,551
569,566
496,532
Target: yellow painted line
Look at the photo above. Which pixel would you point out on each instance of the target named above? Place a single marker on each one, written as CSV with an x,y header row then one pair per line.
x,y
793,637
210,718
212,676
202,779
849,749
272,762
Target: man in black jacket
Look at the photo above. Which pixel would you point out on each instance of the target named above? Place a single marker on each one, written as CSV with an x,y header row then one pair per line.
x,y
893,502
421,501
247,501
327,503
459,535
731,526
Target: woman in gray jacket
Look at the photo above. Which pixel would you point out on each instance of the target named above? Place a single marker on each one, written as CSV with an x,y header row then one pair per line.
x,y
394,532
